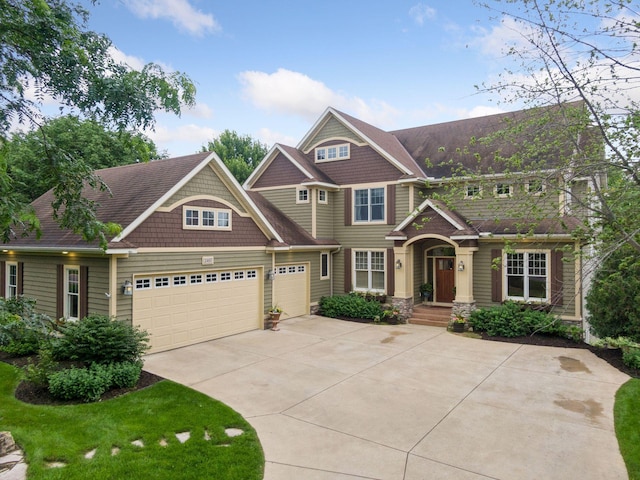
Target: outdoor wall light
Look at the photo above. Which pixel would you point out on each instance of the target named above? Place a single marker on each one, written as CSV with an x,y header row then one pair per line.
x,y
127,288
398,264
460,266
271,275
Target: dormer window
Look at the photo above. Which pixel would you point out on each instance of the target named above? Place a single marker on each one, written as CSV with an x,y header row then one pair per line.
x,y
503,190
332,153
302,195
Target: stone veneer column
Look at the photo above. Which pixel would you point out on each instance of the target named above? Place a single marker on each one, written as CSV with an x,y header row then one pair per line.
x,y
464,302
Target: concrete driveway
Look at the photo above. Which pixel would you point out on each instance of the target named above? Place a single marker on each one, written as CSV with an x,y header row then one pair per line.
x,y
332,399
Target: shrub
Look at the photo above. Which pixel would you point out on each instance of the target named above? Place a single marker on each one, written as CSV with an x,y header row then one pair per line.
x,y
124,374
631,357
350,306
86,384
39,372
512,319
22,330
100,339
613,300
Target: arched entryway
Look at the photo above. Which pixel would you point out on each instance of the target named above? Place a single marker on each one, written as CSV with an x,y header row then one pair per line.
x,y
439,274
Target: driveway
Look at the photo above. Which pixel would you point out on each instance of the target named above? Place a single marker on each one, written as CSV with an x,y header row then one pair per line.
x,y
339,400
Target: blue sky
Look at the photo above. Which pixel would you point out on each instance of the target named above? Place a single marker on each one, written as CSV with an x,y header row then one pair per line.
x,y
270,68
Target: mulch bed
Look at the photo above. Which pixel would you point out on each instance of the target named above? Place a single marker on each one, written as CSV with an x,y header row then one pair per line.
x,y
37,395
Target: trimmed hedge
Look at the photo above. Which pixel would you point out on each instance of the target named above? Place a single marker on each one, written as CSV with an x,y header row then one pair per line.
x,y
350,306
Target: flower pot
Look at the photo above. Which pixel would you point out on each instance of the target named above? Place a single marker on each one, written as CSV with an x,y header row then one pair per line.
x,y
458,327
275,319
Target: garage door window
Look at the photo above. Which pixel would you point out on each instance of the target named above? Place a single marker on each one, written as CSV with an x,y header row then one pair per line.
x,y
143,283
195,279
211,277
179,280
161,282
225,277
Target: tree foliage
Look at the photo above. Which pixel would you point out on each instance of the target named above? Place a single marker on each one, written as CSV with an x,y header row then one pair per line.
x,y
240,153
29,155
48,54
562,52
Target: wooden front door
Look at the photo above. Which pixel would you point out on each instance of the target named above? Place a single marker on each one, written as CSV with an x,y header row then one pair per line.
x,y
445,279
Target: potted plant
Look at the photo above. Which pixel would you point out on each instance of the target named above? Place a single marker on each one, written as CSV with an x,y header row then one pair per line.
x,y
426,291
458,323
274,314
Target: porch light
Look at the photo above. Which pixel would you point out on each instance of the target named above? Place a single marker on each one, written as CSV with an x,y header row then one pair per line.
x,y
398,264
271,275
127,288
460,266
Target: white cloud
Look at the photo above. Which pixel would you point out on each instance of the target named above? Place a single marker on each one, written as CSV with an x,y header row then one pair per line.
x,y
192,134
121,57
499,38
181,13
422,12
199,110
291,92
482,111
269,137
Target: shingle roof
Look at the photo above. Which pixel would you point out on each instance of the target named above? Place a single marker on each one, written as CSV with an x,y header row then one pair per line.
x,y
301,158
133,189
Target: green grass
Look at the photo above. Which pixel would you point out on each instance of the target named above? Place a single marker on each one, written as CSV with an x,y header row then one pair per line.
x,y
67,433
627,421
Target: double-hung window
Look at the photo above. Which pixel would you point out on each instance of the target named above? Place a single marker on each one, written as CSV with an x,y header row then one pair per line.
x,y
72,293
369,271
12,280
369,205
527,276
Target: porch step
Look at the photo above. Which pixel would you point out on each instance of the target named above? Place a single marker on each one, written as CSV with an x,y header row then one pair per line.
x,y
431,316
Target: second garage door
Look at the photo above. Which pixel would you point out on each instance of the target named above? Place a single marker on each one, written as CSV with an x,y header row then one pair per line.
x,y
184,308
291,289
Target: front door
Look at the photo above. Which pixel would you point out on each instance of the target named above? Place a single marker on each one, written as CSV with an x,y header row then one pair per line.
x,y
445,280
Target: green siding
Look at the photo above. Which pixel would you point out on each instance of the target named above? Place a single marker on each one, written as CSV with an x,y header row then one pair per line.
x,y
325,217
40,280
402,203
359,236
332,129
285,200
482,269
206,182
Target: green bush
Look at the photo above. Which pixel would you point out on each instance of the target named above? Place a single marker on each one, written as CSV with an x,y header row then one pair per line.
x,y
86,384
350,306
124,374
100,339
631,357
613,300
512,319
22,330
39,372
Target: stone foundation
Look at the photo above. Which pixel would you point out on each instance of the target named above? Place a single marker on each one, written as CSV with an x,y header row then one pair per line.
x,y
405,306
463,310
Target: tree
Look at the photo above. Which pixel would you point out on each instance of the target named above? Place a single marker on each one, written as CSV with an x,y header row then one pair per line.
x,y
28,160
241,154
47,51
566,51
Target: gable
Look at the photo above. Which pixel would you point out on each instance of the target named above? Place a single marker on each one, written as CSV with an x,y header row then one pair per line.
x,y
364,165
331,129
280,172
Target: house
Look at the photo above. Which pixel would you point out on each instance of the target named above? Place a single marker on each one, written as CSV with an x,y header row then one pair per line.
x,y
350,208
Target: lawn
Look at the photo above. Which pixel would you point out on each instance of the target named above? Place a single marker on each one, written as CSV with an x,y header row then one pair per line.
x,y
627,422
154,416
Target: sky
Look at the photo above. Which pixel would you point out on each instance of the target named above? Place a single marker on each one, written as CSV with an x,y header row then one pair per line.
x,y
269,69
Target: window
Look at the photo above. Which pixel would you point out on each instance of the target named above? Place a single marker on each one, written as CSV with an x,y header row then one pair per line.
x,y
369,271
195,279
143,283
238,275
72,293
200,218
535,187
503,190
324,266
332,153
179,280
12,280
302,195
211,277
252,274
526,276
225,277
322,196
369,205
162,282
472,191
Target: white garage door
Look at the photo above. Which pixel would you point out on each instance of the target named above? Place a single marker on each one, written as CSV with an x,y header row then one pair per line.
x,y
291,289
184,308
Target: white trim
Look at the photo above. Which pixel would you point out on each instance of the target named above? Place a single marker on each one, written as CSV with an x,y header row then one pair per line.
x,y
268,159
503,195
427,203
369,221
368,251
299,190
328,257
326,148
200,225
505,275
471,197
7,285
326,197
66,293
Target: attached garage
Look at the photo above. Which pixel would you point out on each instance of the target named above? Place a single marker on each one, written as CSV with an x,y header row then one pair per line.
x,y
291,289
184,308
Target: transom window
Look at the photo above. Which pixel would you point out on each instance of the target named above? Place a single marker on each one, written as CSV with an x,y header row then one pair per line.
x,y
12,280
369,205
200,218
332,153
527,276
369,271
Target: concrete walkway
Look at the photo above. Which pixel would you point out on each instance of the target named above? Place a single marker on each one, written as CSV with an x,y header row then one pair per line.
x,y
338,400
